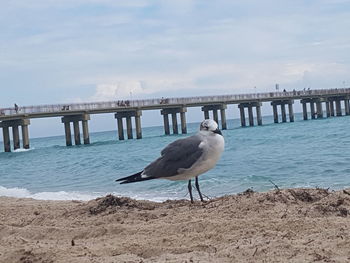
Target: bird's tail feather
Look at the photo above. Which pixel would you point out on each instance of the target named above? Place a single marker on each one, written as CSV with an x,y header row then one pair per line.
x,y
133,178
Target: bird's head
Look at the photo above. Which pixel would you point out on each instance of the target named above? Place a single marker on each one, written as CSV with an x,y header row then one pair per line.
x,y
210,126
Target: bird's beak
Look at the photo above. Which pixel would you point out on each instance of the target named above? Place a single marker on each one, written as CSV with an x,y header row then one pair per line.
x,y
217,131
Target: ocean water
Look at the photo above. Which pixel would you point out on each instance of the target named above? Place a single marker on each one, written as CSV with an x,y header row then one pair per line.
x,y
313,153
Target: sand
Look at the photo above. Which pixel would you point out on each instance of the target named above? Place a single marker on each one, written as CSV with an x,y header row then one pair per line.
x,y
292,225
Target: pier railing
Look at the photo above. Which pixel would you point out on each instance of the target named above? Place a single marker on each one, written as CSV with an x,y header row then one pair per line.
x,y
161,102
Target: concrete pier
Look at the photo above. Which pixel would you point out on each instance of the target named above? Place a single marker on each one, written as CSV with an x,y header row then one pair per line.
x,y
15,137
127,115
319,109
338,107
15,124
283,112
6,139
74,113
68,133
291,112
242,114
215,108
183,122
328,109
129,127
336,110
258,115
275,113
86,136
138,125
312,109
166,124
120,128
346,106
174,111
282,104
216,116
250,106
316,108
304,110
76,132
174,123
331,107
76,119
206,114
250,115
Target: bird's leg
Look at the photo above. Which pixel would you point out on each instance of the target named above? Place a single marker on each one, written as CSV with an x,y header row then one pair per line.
x,y
199,192
190,190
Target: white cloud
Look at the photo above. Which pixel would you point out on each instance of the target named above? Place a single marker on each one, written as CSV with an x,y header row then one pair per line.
x,y
189,47
119,90
221,78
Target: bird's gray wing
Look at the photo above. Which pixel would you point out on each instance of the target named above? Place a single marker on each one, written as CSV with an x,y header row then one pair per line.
x,y
181,153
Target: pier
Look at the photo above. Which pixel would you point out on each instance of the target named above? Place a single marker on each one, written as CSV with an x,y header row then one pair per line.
x,y
78,114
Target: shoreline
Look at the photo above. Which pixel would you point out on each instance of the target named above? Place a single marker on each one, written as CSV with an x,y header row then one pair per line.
x,y
296,225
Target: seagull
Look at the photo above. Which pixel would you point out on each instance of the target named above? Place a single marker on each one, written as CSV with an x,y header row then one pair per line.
x,y
186,158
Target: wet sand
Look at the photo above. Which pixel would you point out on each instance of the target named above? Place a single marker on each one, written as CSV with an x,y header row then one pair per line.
x,y
291,225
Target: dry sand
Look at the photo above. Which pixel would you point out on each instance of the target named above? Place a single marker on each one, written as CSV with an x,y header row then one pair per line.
x,y
299,225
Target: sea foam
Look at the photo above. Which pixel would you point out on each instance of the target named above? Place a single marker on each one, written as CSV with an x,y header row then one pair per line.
x,y
19,150
60,195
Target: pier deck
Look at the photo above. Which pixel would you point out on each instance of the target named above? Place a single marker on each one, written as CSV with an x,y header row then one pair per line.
x,y
77,113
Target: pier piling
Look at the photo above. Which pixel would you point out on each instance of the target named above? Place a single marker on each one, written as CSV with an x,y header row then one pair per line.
x,y
331,107
166,124
304,110
242,113
76,119
250,115
338,107
346,106
215,108
15,124
250,106
174,122
86,136
312,109
174,111
120,128
6,138
275,113
129,127
15,137
223,117
319,109
291,112
282,104
76,132
283,112
127,115
68,133
328,110
183,122
258,115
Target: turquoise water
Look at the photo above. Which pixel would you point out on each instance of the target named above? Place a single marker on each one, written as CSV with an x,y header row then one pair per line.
x,y
312,153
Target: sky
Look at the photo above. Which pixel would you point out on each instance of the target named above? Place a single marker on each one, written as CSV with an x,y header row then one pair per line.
x,y
64,51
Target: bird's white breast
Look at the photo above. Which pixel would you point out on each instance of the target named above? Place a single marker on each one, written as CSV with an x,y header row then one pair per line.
x,y
212,146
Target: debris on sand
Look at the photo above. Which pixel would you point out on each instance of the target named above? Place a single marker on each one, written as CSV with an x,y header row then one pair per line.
x,y
114,202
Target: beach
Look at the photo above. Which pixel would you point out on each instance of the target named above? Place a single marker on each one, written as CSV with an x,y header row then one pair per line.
x,y
290,225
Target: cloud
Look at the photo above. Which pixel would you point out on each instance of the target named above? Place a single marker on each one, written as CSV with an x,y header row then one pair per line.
x,y
119,90
221,78
138,48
